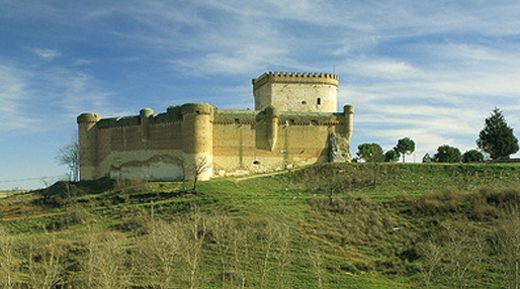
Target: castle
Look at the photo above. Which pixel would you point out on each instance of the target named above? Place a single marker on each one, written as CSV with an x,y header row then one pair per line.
x,y
295,123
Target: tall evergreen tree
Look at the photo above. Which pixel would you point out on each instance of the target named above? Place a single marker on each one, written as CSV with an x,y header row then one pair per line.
x,y
497,138
405,146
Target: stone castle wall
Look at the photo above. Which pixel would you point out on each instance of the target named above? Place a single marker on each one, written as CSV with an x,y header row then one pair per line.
x,y
172,145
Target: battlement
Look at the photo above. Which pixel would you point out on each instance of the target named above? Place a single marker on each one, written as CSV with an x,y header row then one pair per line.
x,y
295,77
294,116
291,91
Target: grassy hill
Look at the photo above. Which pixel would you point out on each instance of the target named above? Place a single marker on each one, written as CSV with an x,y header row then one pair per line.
x,y
327,226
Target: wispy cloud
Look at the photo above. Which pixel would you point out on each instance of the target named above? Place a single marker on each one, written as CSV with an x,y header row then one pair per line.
x,y
428,69
70,92
47,54
13,95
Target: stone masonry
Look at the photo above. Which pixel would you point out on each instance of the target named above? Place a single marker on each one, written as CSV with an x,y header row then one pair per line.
x,y
295,116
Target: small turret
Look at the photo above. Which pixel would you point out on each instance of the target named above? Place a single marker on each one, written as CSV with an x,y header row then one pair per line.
x,y
348,110
144,119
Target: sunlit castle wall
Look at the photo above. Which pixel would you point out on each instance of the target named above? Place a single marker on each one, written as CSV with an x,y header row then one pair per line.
x,y
175,144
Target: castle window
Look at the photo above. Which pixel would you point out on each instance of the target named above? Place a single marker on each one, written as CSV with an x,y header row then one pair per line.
x,y
319,100
256,162
304,102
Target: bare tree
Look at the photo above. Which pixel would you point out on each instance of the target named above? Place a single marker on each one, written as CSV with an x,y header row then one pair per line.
x,y
198,169
9,265
241,247
315,257
192,237
221,228
45,262
159,252
69,156
108,261
267,238
462,252
283,254
432,255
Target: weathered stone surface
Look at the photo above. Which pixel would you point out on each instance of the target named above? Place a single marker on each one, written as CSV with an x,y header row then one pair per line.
x,y
339,151
164,146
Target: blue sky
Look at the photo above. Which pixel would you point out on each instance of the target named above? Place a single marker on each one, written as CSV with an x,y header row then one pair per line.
x,y
432,70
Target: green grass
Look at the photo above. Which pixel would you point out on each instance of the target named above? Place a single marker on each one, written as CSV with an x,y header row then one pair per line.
x,y
369,226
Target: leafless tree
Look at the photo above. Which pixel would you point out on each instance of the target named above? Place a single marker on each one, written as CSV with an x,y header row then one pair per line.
x,y
192,236
108,261
241,248
196,170
45,265
283,253
267,238
221,228
463,251
69,156
315,257
159,252
432,254
9,265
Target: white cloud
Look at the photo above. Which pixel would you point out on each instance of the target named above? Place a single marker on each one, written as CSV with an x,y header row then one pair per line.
x,y
13,95
432,69
70,92
47,54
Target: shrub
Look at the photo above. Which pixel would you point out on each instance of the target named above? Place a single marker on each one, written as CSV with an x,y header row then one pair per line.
x,y
439,203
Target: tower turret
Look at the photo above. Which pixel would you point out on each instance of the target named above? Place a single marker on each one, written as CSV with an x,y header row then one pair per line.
x,y
197,134
348,111
309,92
88,145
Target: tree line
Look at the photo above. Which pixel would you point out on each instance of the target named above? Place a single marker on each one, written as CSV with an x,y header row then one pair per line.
x,y
496,140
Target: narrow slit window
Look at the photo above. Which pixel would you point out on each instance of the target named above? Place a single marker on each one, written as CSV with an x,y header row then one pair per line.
x,y
319,100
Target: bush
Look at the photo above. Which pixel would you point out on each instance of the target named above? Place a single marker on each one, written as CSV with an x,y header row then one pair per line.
x,y
485,204
439,203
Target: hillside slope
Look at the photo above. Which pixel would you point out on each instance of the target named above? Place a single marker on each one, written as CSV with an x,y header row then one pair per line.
x,y
327,226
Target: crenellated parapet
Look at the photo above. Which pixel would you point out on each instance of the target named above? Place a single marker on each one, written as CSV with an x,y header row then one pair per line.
x,y
305,92
197,108
295,77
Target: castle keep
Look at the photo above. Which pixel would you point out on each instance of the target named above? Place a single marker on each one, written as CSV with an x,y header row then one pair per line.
x,y
295,123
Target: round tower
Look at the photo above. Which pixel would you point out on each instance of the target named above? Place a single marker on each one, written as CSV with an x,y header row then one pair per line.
x,y
144,119
197,134
307,92
348,111
272,117
88,145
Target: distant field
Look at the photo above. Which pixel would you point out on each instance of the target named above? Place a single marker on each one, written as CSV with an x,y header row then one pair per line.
x,y
4,194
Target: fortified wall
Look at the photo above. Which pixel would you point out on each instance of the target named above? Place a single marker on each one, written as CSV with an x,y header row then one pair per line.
x,y
295,123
